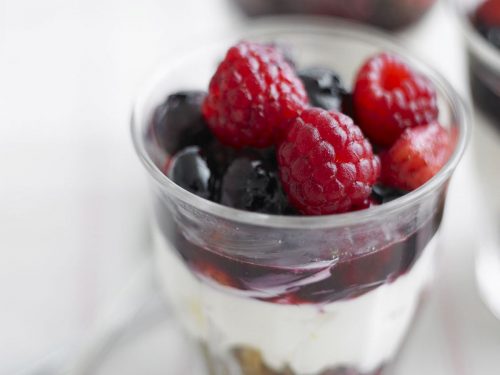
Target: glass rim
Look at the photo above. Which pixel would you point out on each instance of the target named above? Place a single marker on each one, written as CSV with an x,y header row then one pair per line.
x,y
312,25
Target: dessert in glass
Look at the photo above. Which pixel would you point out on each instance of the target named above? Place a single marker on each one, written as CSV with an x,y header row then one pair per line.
x,y
481,24
288,239
388,14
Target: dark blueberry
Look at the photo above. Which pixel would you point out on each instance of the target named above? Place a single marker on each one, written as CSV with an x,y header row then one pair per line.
x,y
324,87
189,169
384,194
252,184
218,158
178,121
347,106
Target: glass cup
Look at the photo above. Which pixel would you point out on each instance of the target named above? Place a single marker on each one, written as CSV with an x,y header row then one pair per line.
x,y
282,295
388,14
484,78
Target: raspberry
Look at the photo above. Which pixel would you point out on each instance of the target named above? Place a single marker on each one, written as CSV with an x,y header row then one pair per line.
x,y
252,96
416,156
389,97
367,203
326,164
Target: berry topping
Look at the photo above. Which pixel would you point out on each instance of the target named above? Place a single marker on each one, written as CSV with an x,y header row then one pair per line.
x,y
416,156
389,96
178,121
324,87
252,184
326,164
252,96
189,170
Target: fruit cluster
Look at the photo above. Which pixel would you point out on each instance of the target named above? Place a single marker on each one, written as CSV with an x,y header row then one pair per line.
x,y
269,138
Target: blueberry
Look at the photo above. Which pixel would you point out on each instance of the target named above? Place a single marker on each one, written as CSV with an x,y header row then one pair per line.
x,y
384,194
178,121
246,179
324,87
218,157
252,183
189,169
347,106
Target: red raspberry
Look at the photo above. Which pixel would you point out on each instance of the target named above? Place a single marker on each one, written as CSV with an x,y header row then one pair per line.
x,y
389,96
252,96
367,203
416,156
326,164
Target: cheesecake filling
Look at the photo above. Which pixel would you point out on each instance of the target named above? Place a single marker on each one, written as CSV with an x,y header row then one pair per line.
x,y
362,332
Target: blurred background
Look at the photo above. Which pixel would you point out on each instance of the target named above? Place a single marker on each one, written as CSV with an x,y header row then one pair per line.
x,y
73,197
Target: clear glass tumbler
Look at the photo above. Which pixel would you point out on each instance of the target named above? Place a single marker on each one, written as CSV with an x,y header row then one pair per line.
x,y
484,78
282,295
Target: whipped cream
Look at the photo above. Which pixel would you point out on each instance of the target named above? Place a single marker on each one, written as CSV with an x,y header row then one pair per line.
x,y
362,332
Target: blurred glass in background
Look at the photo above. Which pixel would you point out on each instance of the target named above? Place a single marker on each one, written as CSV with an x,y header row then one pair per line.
x,y
481,24
388,14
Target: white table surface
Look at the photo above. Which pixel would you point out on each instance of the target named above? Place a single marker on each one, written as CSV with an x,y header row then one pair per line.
x,y
73,197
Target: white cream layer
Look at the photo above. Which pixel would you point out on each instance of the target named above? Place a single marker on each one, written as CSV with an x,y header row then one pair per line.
x,y
363,332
